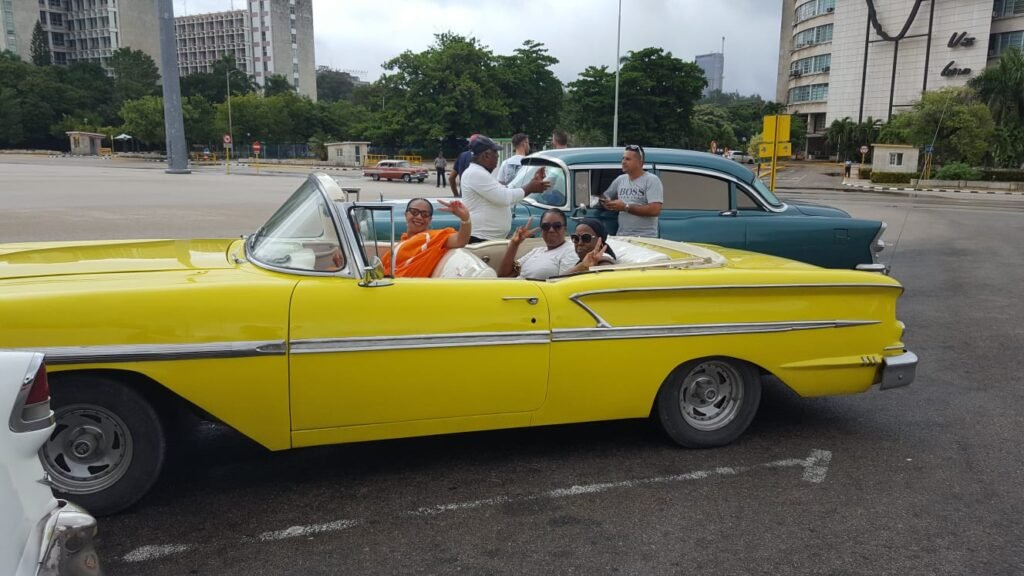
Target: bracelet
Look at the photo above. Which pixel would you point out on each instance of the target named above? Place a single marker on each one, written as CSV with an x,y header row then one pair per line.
x,y
464,221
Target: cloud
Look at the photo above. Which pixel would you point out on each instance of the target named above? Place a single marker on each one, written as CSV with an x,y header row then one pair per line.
x,y
362,35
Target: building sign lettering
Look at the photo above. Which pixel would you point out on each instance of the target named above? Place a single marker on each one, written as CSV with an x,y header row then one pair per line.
x,y
961,39
952,70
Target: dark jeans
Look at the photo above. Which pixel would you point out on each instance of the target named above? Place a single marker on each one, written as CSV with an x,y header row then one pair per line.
x,y
440,178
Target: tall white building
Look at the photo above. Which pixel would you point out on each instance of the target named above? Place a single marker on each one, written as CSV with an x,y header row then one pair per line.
x,y
872,58
268,37
713,66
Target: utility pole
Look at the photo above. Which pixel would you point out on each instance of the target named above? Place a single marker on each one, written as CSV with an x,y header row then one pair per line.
x,y
231,130
174,126
618,59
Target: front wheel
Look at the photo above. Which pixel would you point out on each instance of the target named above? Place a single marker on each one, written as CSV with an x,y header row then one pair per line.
x,y
709,402
108,445
407,178
376,177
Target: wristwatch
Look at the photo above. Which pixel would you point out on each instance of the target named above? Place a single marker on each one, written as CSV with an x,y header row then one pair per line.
x,y
625,208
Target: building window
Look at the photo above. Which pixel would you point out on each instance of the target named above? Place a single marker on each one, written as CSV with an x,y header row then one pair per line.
x,y
60,58
812,65
814,8
895,158
56,38
812,36
811,93
56,19
999,43
1006,8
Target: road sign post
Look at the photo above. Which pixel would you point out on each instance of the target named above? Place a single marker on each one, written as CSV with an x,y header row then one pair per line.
x,y
227,153
256,150
863,152
775,135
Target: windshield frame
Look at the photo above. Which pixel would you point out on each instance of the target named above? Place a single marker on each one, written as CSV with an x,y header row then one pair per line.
x,y
531,199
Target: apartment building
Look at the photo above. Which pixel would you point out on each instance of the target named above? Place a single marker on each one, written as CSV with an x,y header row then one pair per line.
x,y
267,37
713,66
873,58
81,30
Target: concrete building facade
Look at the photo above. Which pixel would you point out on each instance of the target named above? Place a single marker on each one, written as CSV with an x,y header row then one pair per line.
x,y
268,37
863,59
713,66
81,30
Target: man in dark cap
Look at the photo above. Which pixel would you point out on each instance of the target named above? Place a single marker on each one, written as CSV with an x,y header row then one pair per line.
x,y
490,202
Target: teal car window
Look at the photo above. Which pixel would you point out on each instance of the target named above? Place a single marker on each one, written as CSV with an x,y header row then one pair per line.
x,y
552,197
744,201
689,191
300,235
767,194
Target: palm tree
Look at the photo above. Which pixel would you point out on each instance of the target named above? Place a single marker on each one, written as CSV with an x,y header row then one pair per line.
x,y
840,134
1002,87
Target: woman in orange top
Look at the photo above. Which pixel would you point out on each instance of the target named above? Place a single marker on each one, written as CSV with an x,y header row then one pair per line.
x,y
421,248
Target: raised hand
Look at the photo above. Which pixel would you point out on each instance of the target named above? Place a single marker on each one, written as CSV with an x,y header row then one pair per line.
x,y
593,258
456,207
523,232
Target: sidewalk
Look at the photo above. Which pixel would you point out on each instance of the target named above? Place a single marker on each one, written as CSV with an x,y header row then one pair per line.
x,y
854,183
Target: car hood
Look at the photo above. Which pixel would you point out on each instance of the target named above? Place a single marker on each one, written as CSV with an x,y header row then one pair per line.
x,y
62,258
812,209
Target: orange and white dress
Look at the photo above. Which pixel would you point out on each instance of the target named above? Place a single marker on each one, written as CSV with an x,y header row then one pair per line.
x,y
419,254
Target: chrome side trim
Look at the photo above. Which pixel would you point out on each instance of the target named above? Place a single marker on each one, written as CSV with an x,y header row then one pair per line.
x,y
158,352
370,343
577,298
577,334
39,416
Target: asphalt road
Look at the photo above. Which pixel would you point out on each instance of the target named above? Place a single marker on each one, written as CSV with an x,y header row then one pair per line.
x,y
920,480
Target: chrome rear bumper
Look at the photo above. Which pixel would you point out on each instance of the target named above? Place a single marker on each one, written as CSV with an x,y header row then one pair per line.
x,y
898,371
68,547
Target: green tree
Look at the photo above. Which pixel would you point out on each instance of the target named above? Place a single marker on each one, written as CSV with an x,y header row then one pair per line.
x,y
277,84
10,118
144,120
213,85
961,126
135,74
1001,87
589,106
532,92
40,47
333,85
711,122
841,134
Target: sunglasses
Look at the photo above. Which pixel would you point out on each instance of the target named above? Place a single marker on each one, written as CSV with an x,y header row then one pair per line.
x,y
546,226
420,213
636,148
584,238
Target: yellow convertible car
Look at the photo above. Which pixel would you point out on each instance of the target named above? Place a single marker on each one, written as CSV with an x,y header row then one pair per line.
x,y
295,336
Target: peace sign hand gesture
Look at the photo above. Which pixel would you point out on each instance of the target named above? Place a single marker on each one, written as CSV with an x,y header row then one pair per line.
x,y
456,207
523,232
593,258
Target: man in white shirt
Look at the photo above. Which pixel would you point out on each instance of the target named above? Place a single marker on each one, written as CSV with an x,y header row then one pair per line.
x,y
512,164
490,203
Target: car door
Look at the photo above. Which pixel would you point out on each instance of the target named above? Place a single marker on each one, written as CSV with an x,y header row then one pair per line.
x,y
415,350
698,207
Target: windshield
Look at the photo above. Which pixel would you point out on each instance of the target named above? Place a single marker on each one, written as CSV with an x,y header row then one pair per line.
x,y
767,194
554,196
374,230
300,235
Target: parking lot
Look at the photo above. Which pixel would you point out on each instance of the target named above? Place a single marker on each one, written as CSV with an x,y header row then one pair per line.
x,y
919,480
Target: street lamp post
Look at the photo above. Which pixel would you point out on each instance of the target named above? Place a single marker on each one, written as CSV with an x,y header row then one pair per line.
x,y
231,131
618,58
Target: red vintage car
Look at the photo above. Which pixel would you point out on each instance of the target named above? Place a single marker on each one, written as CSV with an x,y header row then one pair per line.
x,y
396,170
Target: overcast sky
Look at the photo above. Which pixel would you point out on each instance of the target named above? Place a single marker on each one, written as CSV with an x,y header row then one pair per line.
x,y
363,34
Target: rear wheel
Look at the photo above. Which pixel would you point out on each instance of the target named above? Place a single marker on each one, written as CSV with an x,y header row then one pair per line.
x,y
376,177
407,178
709,402
108,446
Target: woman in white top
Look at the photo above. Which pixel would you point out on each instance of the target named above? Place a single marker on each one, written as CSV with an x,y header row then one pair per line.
x,y
555,258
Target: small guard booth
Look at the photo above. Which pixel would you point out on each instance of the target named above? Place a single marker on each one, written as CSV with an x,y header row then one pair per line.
x,y
349,154
85,143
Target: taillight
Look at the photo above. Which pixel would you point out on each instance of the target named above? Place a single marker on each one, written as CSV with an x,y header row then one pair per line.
x,y
40,391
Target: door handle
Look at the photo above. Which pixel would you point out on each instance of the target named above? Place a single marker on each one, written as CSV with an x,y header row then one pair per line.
x,y
529,299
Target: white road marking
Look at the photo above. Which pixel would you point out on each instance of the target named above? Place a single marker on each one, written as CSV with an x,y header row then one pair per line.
x,y
296,531
815,469
154,552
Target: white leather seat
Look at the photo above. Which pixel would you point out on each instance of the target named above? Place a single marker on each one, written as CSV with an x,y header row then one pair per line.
x,y
462,263
627,253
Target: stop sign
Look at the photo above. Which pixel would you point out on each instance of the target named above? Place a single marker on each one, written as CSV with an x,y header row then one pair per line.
x,y
256,147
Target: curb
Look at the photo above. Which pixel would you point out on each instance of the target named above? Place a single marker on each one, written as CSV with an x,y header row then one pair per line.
x,y
954,190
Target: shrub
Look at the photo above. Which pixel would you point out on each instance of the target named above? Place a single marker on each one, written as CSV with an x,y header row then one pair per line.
x,y
957,171
1000,175
865,172
892,177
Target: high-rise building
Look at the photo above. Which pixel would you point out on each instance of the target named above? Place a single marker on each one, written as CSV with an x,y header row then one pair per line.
x,y
868,58
268,37
81,30
713,66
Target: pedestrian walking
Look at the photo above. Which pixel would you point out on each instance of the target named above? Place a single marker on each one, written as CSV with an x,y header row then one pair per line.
x,y
848,166
440,164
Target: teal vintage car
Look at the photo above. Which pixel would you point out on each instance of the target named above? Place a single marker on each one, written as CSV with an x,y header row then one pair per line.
x,y
707,199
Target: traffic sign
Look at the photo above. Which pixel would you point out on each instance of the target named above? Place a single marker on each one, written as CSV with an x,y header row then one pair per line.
x,y
227,139
864,149
766,150
776,128
256,147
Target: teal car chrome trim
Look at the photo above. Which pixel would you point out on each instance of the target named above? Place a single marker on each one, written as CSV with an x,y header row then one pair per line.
x,y
117,353
613,333
369,343
577,298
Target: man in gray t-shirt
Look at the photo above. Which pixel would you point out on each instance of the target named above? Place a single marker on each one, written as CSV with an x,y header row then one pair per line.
x,y
636,195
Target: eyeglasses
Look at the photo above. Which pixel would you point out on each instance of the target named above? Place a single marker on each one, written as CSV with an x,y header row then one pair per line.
x,y
546,226
420,213
584,238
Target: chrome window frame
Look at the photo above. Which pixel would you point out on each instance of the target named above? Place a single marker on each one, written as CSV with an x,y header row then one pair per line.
x,y
569,185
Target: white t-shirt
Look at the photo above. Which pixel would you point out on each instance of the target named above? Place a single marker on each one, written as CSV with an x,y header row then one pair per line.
x,y
507,170
541,263
489,203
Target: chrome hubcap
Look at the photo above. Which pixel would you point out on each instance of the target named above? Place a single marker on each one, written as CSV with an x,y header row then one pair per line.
x,y
90,449
710,395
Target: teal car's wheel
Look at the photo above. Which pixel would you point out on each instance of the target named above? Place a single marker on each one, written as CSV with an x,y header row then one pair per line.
x,y
107,447
709,402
